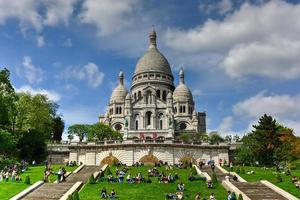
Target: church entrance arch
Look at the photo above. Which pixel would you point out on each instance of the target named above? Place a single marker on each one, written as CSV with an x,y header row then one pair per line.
x,y
187,159
149,159
110,160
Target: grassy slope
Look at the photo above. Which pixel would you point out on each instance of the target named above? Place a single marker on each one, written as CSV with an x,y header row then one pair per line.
x,y
269,175
9,189
152,190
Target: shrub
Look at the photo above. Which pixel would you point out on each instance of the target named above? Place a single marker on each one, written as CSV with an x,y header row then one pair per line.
x,y
243,170
27,180
238,170
225,163
108,171
76,195
278,178
233,196
92,179
194,171
70,197
240,197
214,178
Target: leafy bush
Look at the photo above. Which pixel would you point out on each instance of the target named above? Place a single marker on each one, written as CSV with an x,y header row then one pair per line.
x,y
76,195
240,197
92,179
233,196
70,197
214,178
238,170
278,178
108,171
27,180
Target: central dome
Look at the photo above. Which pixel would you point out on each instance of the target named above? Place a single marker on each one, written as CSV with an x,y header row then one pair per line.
x,y
153,60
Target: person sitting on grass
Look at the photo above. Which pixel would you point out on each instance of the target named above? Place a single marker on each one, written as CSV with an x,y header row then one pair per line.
x,y
110,178
191,177
179,195
294,179
180,186
170,196
113,194
129,179
212,196
209,184
198,197
18,178
176,177
103,193
297,184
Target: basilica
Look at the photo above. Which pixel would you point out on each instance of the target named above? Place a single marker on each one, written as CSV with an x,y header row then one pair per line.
x,y
153,108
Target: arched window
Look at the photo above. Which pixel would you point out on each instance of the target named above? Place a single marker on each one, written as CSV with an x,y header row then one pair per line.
x,y
135,96
117,110
175,109
120,110
136,122
183,109
180,109
164,95
118,127
148,118
160,118
139,95
158,93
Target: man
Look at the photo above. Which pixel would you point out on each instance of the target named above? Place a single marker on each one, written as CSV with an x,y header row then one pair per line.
x,y
229,195
197,197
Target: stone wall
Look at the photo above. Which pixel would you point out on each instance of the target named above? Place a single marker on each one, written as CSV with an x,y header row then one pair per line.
x,y
93,154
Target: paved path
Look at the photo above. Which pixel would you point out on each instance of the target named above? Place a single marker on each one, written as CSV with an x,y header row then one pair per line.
x,y
254,190
54,191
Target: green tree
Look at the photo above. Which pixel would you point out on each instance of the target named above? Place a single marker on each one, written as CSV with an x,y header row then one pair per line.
x,y
184,137
7,144
101,131
32,146
35,112
215,138
58,128
80,130
7,101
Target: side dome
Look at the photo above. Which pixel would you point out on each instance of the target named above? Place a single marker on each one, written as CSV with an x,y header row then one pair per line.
x,y
182,92
153,60
120,92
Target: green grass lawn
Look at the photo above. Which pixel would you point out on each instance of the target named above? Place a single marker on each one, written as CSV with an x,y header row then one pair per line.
x,y
154,190
270,175
9,189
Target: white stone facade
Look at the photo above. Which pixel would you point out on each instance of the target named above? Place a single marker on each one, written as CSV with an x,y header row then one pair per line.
x,y
153,108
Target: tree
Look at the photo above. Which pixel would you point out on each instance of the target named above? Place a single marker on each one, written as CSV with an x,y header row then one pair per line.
x,y
80,130
228,138
215,138
7,144
7,101
32,146
58,128
35,112
184,137
102,131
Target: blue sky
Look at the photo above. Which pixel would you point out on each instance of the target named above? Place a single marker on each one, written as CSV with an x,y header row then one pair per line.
x,y
241,58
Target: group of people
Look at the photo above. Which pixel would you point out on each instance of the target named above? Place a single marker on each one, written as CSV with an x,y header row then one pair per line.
x,y
105,195
11,173
179,195
296,182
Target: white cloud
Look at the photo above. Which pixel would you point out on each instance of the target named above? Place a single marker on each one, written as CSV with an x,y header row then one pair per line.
x,y
32,73
52,95
107,15
68,43
59,11
40,41
222,7
254,40
226,125
25,11
37,13
89,72
284,108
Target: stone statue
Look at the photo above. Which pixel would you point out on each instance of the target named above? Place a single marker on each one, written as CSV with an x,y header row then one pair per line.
x,y
126,122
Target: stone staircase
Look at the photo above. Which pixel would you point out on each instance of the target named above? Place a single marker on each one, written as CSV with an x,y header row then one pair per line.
x,y
54,191
254,190
258,191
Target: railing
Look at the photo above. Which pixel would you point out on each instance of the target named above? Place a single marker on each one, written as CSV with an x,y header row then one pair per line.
x,y
140,141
